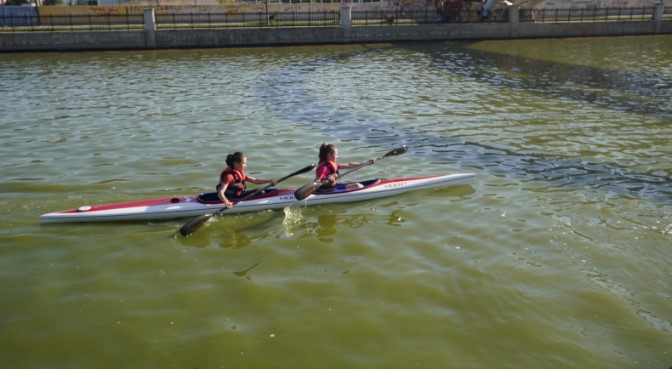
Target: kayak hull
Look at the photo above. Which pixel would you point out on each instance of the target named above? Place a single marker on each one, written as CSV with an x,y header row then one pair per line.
x,y
193,206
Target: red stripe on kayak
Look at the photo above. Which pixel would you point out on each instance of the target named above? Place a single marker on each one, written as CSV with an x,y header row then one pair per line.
x,y
163,201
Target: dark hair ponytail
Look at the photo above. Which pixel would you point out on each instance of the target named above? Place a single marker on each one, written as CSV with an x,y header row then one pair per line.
x,y
325,150
236,157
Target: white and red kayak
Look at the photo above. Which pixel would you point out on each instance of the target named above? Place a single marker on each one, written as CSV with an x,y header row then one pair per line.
x,y
207,203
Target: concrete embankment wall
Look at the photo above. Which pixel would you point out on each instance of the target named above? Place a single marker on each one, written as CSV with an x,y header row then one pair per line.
x,y
93,40
150,38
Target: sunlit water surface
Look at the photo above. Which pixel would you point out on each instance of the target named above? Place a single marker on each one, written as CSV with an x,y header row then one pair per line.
x,y
558,255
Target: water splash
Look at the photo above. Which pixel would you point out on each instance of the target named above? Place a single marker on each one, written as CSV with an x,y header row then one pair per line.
x,y
293,217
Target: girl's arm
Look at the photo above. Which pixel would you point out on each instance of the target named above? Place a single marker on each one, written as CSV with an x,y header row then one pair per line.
x,y
349,165
261,180
355,164
221,195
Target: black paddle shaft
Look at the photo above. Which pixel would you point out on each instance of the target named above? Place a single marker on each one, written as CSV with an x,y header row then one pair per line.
x,y
396,152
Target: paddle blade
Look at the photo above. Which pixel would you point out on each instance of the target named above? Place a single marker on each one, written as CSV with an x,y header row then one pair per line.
x,y
307,190
194,225
396,152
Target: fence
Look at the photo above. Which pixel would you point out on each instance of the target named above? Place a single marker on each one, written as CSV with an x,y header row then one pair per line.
x,y
404,17
590,15
319,19
107,22
262,19
667,13
23,23
313,1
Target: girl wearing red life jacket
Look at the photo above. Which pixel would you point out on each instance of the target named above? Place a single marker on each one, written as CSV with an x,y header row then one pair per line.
x,y
327,168
232,179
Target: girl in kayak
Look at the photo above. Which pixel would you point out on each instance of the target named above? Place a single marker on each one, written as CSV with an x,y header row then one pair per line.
x,y
327,168
232,179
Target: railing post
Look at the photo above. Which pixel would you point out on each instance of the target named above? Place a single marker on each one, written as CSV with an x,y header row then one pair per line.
x,y
514,19
346,21
150,28
658,11
346,16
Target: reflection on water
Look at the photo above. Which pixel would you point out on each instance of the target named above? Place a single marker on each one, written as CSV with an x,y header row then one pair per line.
x,y
326,227
240,231
314,222
304,221
234,239
243,273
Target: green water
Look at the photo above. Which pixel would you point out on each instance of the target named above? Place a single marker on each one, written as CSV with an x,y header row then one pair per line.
x,y
558,255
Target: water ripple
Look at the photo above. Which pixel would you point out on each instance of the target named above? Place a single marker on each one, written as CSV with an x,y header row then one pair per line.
x,y
295,98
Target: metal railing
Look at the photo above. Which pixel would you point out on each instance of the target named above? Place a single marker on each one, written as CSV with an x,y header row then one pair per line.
x,y
310,1
246,20
428,16
588,15
106,22
23,23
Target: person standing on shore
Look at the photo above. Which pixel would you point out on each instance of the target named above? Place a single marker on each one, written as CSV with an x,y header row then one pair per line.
x,y
483,11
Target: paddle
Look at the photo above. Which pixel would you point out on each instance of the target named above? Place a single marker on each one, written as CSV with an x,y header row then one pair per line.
x,y
195,224
310,188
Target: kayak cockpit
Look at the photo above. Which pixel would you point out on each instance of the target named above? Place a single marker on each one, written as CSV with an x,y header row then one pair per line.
x,y
212,198
342,187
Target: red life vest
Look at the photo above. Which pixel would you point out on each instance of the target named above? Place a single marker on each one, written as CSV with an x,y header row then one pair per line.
x,y
332,168
236,187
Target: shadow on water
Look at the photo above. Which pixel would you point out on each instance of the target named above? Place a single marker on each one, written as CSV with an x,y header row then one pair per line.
x,y
243,273
640,93
625,91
